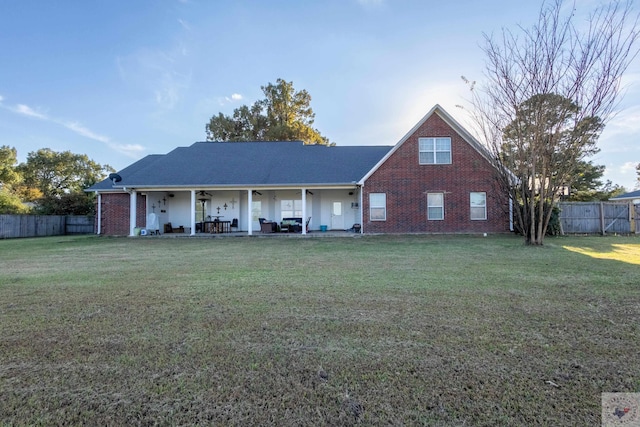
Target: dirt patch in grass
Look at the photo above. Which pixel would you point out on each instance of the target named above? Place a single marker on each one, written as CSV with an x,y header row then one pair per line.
x,y
404,330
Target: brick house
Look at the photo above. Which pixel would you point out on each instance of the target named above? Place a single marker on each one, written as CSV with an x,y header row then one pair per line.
x,y
436,179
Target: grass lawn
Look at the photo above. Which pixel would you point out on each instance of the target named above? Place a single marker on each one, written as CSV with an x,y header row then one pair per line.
x,y
372,330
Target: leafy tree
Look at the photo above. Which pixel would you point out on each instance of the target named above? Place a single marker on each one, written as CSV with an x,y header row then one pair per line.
x,y
78,203
586,184
10,203
8,162
55,181
284,115
542,148
55,174
10,179
638,174
550,90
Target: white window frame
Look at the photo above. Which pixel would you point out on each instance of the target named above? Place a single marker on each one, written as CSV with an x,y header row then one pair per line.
x,y
430,206
378,208
477,206
430,146
294,210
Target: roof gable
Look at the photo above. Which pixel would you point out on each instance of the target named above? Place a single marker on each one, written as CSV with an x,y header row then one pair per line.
x,y
451,122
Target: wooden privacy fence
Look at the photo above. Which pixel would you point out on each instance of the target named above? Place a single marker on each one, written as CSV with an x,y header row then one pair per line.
x,y
599,217
12,226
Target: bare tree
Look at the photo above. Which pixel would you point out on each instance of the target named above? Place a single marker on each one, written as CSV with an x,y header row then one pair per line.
x,y
549,92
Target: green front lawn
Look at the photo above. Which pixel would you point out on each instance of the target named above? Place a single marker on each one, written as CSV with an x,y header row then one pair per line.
x,y
375,330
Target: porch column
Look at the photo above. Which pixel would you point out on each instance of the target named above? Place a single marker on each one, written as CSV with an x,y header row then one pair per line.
x,y
304,210
193,212
133,204
360,199
99,209
249,213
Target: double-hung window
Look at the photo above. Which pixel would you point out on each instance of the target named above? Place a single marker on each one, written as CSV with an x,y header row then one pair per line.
x,y
478,206
378,206
291,208
435,151
435,206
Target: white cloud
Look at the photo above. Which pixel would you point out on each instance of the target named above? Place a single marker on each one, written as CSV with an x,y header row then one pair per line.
x,y
233,98
129,150
83,131
1,98
78,128
25,110
628,167
184,24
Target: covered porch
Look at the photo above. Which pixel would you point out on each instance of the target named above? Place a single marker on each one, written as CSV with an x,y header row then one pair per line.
x,y
215,210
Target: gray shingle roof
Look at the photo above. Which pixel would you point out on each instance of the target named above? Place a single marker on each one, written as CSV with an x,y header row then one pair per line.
x,y
250,164
632,195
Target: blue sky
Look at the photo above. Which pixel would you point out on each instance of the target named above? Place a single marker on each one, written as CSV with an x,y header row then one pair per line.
x,y
119,80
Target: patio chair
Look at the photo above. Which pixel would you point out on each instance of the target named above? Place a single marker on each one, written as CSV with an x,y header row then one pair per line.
x,y
234,224
355,228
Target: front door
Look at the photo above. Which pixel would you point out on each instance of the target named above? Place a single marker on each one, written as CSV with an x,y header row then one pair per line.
x,y
337,216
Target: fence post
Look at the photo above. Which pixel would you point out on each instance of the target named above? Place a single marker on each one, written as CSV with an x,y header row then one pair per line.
x,y
632,217
602,218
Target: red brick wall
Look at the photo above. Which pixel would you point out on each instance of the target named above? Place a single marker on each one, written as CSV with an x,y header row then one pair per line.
x,y
406,184
115,213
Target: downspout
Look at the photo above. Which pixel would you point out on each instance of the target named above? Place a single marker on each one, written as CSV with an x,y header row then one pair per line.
x,y
133,206
361,198
510,214
99,215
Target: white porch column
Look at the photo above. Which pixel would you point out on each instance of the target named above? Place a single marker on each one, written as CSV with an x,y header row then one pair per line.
x,y
193,212
304,210
133,204
249,213
99,219
361,198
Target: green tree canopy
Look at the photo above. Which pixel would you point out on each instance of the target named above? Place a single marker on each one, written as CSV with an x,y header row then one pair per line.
x,y
10,203
78,203
587,185
283,115
8,162
55,174
10,179
543,147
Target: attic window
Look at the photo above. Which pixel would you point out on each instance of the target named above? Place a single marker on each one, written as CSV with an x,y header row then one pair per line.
x,y
435,151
